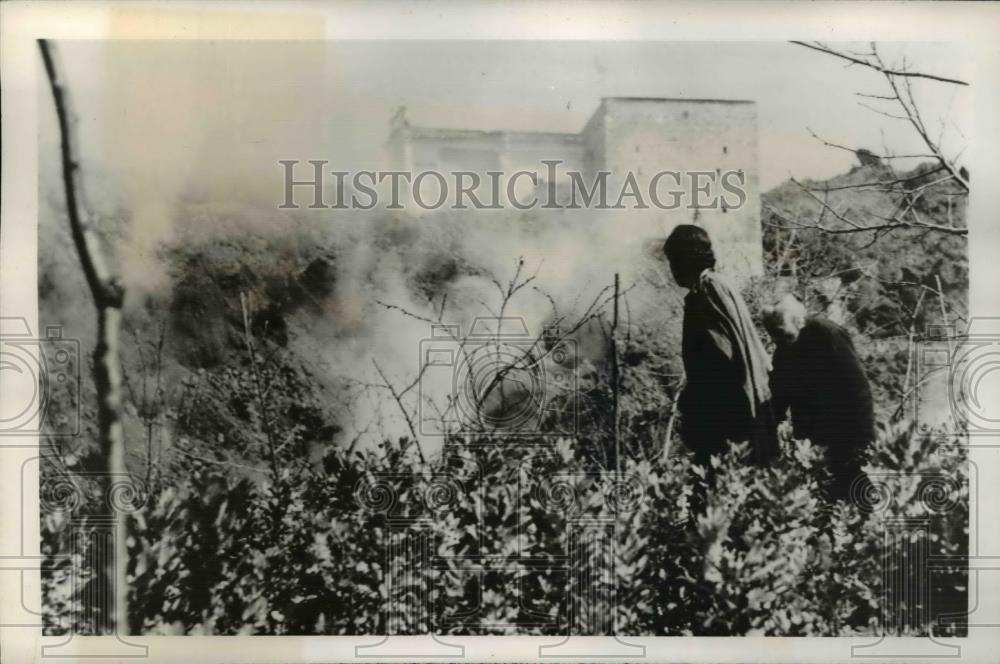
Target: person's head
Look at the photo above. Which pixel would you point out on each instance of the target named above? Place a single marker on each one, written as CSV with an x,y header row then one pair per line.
x,y
689,250
784,319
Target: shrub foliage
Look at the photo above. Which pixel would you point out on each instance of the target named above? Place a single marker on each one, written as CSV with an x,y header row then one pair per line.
x,y
494,537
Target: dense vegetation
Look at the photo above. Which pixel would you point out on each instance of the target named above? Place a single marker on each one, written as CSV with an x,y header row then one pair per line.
x,y
489,540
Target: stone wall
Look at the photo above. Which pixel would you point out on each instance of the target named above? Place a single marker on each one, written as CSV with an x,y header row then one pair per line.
x,y
646,136
625,134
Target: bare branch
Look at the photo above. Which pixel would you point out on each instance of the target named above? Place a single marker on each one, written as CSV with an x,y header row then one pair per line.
x,y
881,68
260,391
869,96
881,183
909,107
891,116
899,80
881,156
402,408
874,228
405,312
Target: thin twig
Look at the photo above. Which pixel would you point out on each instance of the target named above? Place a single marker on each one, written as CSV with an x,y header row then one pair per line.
x,y
402,408
879,67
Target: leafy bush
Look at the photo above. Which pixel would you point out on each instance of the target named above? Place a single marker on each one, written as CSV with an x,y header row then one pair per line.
x,y
495,537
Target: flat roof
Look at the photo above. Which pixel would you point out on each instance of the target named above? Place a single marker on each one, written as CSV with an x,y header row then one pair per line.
x,y
442,132
684,99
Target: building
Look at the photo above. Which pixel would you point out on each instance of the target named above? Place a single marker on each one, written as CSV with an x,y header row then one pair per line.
x,y
638,135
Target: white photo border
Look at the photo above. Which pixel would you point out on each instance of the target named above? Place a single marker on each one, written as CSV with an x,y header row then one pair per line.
x,y
974,25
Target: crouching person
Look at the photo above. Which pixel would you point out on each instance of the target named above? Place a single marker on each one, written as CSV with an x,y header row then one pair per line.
x,y
726,397
818,377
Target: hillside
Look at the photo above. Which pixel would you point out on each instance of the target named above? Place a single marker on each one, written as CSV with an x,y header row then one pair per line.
x,y
881,273
299,294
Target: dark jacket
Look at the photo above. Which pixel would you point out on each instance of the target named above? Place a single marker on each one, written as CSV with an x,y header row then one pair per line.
x,y
819,377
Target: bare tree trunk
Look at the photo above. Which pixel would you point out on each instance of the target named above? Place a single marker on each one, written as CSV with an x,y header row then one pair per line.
x,y
109,295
